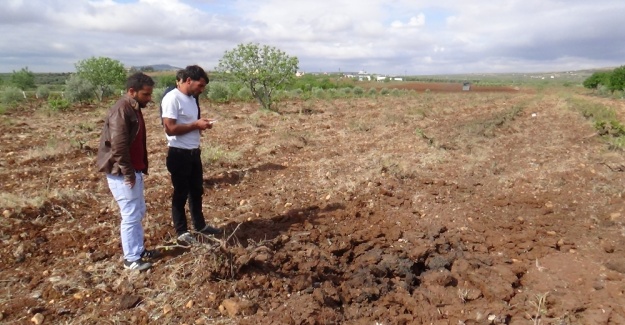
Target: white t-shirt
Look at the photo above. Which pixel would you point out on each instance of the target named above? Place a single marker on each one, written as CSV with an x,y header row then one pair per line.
x,y
183,109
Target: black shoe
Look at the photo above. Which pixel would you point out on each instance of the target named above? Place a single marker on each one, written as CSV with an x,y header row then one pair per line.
x,y
208,230
151,254
137,265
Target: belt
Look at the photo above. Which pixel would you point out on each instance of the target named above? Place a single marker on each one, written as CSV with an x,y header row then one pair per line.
x,y
185,151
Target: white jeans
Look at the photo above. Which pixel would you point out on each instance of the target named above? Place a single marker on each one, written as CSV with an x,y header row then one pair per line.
x,y
132,206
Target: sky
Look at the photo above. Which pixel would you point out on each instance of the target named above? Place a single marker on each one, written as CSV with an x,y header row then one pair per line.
x,y
391,37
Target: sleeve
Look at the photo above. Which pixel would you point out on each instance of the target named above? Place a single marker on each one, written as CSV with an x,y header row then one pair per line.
x,y
120,140
170,106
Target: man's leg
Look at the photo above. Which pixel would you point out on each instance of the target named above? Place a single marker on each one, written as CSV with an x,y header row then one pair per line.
x,y
196,190
178,165
132,207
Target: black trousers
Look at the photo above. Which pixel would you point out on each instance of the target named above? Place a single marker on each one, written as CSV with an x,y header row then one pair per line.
x,y
185,167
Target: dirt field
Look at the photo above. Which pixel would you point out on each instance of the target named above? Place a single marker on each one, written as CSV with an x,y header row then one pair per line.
x,y
493,207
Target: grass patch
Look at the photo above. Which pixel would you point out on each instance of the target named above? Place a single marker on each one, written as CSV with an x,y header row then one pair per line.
x,y
217,155
604,121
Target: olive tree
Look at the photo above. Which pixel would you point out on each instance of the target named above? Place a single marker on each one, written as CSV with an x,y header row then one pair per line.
x,y
102,73
23,79
617,79
598,78
263,69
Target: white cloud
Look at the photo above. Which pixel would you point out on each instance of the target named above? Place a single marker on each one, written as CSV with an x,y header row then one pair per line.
x,y
423,37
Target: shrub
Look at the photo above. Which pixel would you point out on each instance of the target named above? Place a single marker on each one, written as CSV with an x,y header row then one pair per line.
x,y
56,103
244,94
219,92
372,92
11,96
43,92
358,91
317,92
78,89
385,91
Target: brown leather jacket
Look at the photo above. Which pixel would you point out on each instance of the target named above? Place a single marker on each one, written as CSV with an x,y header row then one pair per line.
x,y
121,126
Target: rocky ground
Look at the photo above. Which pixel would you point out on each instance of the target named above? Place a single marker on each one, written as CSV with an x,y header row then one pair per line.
x,y
493,206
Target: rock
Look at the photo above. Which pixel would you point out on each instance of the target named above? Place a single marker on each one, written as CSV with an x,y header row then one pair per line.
x,y
6,213
167,309
129,301
607,247
189,304
616,265
235,307
37,319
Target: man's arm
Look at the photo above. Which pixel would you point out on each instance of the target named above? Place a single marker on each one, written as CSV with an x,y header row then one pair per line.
x,y
172,128
120,140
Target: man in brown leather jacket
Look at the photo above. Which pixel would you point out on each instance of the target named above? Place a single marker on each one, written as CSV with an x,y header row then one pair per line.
x,y
123,156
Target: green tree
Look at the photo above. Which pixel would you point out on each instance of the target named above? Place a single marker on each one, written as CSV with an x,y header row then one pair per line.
x,y
597,78
617,79
102,73
263,69
23,79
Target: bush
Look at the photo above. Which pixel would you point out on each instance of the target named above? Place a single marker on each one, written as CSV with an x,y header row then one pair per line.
x,y
43,92
358,91
317,92
219,92
56,103
244,94
11,96
78,89
372,92
385,91
165,81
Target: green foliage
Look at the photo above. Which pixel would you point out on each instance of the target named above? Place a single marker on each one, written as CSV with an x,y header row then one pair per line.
x,y
219,92
385,91
11,96
372,92
263,69
617,79
43,92
244,94
604,120
78,89
102,73
56,103
165,81
23,79
596,79
358,91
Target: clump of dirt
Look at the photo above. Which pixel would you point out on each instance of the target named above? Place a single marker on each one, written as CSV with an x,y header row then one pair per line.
x,y
429,207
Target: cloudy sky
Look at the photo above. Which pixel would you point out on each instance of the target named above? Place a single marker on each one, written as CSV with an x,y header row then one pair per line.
x,y
412,37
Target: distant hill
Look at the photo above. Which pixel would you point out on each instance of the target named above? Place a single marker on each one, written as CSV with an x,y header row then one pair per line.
x,y
155,67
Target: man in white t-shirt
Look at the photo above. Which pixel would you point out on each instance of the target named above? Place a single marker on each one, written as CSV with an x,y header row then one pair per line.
x,y
182,127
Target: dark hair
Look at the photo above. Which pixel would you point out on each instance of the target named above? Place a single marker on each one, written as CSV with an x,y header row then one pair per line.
x,y
195,72
139,80
181,75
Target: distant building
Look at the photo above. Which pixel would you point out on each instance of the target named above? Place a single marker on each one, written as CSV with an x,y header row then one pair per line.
x,y
466,86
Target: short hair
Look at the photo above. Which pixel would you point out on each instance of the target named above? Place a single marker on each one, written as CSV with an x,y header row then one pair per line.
x,y
139,80
195,72
181,75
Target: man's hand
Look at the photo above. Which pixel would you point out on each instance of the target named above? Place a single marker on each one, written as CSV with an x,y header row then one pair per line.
x,y
204,124
130,182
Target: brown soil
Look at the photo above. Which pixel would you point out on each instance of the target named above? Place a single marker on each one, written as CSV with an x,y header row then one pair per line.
x,y
430,208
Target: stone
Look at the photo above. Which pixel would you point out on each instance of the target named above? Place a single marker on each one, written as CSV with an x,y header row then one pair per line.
x,y
236,307
129,301
38,319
